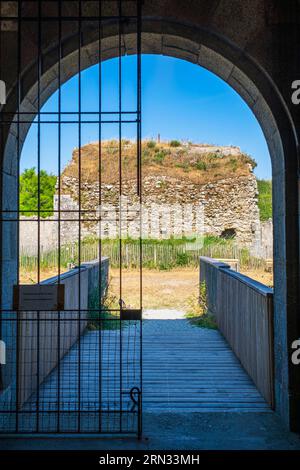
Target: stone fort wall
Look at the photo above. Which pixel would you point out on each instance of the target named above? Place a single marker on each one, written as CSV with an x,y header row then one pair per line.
x,y
171,207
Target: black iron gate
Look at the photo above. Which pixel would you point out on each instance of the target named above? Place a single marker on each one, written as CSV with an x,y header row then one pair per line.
x,y
70,362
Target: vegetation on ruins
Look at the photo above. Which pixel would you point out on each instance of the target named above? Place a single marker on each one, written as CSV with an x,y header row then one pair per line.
x,y
199,163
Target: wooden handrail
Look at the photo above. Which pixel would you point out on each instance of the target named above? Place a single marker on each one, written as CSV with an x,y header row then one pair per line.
x,y
243,309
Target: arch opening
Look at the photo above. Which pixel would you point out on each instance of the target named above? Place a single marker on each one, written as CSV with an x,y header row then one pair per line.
x,y
216,63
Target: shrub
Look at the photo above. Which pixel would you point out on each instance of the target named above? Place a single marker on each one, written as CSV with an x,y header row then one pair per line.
x,y
175,143
249,159
165,266
151,144
214,156
182,259
201,165
145,155
159,157
234,164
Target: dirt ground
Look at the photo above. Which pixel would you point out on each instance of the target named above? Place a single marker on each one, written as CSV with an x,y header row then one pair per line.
x,y
30,277
262,276
160,288
173,289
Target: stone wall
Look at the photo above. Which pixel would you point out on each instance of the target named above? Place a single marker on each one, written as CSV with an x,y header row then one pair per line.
x,y
263,244
170,207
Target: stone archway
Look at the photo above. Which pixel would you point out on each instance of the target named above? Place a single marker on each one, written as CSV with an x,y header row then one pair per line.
x,y
228,59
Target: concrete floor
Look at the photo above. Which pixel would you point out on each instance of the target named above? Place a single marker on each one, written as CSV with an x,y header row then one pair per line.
x,y
182,431
175,427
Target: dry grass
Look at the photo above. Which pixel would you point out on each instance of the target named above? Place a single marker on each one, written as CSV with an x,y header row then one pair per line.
x,y
259,275
166,289
183,162
161,289
30,277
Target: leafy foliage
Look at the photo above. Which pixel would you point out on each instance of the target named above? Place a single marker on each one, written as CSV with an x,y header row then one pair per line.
x,y
265,199
29,190
175,143
151,144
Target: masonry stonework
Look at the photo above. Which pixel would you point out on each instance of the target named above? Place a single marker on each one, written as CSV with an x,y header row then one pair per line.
x,y
228,204
171,207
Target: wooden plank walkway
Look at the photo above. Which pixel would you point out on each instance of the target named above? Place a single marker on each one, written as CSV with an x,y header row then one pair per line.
x,y
185,369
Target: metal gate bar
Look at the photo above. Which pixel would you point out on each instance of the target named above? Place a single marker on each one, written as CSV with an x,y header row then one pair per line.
x,y
94,384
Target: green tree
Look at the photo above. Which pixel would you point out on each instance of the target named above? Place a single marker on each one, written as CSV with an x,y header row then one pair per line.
x,y
29,199
265,199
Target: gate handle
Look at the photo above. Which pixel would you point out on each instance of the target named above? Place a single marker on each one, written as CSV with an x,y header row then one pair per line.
x,y
136,401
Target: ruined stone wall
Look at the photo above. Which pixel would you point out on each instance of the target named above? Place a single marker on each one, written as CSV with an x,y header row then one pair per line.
x,y
170,207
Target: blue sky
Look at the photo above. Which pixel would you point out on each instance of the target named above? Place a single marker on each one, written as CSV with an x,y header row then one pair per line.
x,y
180,100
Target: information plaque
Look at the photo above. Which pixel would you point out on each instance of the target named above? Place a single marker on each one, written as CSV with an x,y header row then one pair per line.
x,y
39,297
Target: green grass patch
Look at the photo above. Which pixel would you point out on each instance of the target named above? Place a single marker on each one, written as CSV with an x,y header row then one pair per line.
x,y
161,254
105,318
198,313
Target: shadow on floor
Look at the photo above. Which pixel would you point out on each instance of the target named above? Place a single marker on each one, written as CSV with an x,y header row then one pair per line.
x,y
182,431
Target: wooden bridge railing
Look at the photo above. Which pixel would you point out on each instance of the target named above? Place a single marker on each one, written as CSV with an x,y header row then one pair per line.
x,y
243,309
55,333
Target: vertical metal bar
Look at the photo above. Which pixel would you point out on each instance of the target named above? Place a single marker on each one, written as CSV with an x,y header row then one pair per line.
x,y
120,201
139,167
1,217
18,213
59,209
100,214
79,213
139,157
39,213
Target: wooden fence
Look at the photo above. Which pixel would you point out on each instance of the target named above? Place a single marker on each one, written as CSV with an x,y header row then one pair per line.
x,y
154,255
243,309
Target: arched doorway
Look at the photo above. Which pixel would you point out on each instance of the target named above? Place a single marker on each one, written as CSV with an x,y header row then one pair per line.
x,y
192,42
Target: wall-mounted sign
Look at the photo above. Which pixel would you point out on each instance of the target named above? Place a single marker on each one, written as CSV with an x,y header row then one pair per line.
x,y
39,297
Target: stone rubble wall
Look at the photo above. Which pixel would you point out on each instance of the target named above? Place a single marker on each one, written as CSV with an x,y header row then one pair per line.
x,y
170,207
